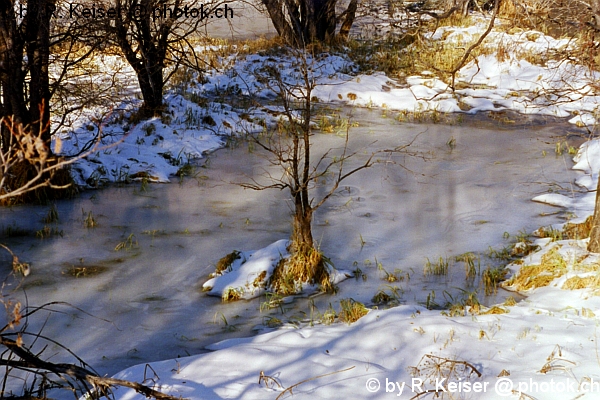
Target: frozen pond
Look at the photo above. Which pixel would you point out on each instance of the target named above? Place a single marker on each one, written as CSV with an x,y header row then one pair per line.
x,y
146,298
245,22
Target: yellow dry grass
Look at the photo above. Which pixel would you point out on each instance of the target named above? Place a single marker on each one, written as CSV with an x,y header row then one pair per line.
x,y
351,311
578,282
231,294
495,310
310,267
578,231
24,171
510,301
552,266
224,263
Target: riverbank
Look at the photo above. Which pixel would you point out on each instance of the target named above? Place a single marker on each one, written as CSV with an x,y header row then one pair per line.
x,y
145,260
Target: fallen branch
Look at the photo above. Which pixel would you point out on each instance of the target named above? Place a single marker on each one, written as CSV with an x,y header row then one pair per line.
x,y
32,363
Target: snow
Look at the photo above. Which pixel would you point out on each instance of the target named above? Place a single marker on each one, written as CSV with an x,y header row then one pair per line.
x,y
155,148
561,89
247,274
381,348
544,347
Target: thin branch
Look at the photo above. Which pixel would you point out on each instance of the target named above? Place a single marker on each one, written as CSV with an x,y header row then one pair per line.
x,y
467,53
311,379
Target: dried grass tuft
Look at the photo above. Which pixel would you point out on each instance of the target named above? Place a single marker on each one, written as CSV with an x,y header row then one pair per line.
x,y
231,294
578,282
552,266
510,301
495,310
578,231
224,264
302,267
23,172
352,311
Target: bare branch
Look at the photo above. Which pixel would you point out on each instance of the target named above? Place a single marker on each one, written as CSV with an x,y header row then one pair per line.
x,y
467,53
290,388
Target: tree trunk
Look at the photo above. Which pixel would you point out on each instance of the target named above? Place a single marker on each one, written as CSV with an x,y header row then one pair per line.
x,y
350,16
28,104
144,46
300,22
38,55
151,83
325,21
12,76
594,244
302,239
279,22
595,7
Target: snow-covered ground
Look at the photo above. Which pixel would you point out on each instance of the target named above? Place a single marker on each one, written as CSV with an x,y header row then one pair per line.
x,y
157,148
544,347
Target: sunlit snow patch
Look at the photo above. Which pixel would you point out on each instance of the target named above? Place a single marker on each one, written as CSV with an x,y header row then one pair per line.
x,y
249,272
246,277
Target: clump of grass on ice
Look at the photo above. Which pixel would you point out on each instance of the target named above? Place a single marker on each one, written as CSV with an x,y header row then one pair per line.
x,y
352,311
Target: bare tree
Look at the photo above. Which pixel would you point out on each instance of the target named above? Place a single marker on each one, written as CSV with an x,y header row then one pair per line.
x,y
289,147
39,45
24,60
301,22
152,33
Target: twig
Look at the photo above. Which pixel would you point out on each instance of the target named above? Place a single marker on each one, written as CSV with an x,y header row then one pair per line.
x,y
311,379
416,396
461,63
33,363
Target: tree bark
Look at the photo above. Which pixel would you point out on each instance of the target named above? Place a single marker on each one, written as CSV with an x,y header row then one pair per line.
x,y
26,102
144,47
275,10
595,7
12,75
302,238
349,19
300,22
464,7
325,21
594,244
38,54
